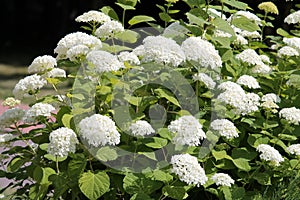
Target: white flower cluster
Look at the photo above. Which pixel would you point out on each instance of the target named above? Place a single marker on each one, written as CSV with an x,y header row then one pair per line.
x,y
271,97
6,137
129,57
248,15
207,80
240,40
294,149
187,168
292,115
202,52
230,86
109,29
141,128
268,153
93,16
261,68
11,102
42,64
28,85
225,128
246,34
99,130
250,57
222,179
161,50
77,52
55,73
37,111
293,42
11,116
248,81
103,61
287,51
187,131
72,40
293,18
62,141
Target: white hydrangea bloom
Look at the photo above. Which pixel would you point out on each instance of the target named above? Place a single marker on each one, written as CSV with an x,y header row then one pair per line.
x,y
293,42
222,179
261,68
202,52
141,128
77,52
294,149
240,40
139,51
225,128
230,86
99,130
248,81
187,168
250,57
270,105
11,102
175,30
42,64
6,137
293,18
215,13
55,73
62,141
268,153
219,33
248,15
207,80
36,111
103,61
187,131
10,117
161,50
74,39
265,59
28,85
93,16
292,115
287,51
109,29
271,97
129,57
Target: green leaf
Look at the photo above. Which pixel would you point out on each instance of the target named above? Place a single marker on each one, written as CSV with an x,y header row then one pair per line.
x,y
282,32
196,20
125,7
53,158
174,192
263,178
162,93
242,164
165,133
93,185
77,165
141,196
195,3
256,139
227,193
165,17
107,153
110,12
294,80
287,137
139,19
244,23
67,120
243,153
41,174
279,143
162,176
155,142
236,4
15,164
128,2
128,36
223,25
238,193
44,146
219,155
60,183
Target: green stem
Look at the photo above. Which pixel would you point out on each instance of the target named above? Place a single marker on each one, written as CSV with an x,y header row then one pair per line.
x,y
262,29
21,136
57,166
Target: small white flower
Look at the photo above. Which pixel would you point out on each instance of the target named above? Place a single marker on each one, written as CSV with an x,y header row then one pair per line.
x,y
42,64
230,86
55,73
261,68
294,149
141,128
99,130
250,57
187,168
240,40
293,42
129,57
10,117
222,179
38,110
11,102
248,15
287,51
268,153
293,18
292,115
109,29
208,81
219,33
225,128
187,131
77,52
248,81
265,59
93,16
62,142
271,97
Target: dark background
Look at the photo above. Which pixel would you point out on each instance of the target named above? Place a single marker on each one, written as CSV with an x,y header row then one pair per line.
x,y
30,28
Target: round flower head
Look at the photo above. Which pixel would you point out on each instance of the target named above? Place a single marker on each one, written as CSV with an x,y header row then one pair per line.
x,y
109,29
99,130
74,39
161,50
265,59
28,85
141,128
248,15
268,7
55,73
129,57
268,153
6,137
10,117
42,64
294,149
292,115
187,168
230,86
202,52
38,111
225,128
293,42
11,102
293,18
246,34
287,51
204,78
187,131
250,57
271,97
222,179
62,141
219,33
240,40
103,61
248,81
214,13
77,52
261,68
93,16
